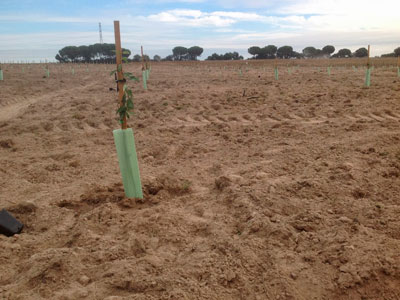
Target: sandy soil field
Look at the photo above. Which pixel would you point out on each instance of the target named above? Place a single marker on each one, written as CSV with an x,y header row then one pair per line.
x,y
254,188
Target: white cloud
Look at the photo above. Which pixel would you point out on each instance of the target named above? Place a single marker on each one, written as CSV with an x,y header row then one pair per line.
x,y
191,13
240,16
234,4
341,7
338,19
198,18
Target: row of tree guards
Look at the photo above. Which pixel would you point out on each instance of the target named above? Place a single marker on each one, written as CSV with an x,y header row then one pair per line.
x,y
146,68
146,72
367,74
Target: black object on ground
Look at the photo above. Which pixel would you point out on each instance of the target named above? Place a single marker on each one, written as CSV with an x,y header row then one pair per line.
x,y
8,224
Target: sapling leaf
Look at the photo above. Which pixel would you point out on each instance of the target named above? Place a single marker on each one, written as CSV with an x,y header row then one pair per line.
x,y
130,76
121,109
126,105
129,104
113,72
125,60
126,52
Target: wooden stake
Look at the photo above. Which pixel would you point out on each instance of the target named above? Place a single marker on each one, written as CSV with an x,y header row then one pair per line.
x,y
120,74
368,62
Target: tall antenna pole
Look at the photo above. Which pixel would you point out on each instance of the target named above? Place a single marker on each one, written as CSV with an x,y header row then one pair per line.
x,y
101,34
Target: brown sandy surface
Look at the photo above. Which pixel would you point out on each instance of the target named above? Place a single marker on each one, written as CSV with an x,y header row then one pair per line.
x,y
254,188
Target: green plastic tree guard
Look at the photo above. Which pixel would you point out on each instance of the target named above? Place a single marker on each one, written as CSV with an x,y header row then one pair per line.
x,y
329,71
276,73
144,77
368,77
1,74
398,71
128,162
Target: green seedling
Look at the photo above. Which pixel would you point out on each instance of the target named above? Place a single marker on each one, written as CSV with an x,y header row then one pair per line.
x,y
127,100
186,186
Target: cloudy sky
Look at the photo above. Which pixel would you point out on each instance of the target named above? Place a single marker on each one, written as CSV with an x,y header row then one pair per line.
x,y
36,29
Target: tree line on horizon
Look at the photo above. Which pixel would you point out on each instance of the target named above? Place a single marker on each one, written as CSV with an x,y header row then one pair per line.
x,y
271,52
105,53
395,53
101,53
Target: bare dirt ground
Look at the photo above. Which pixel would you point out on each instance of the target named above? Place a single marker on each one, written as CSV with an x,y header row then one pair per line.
x,y
254,188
